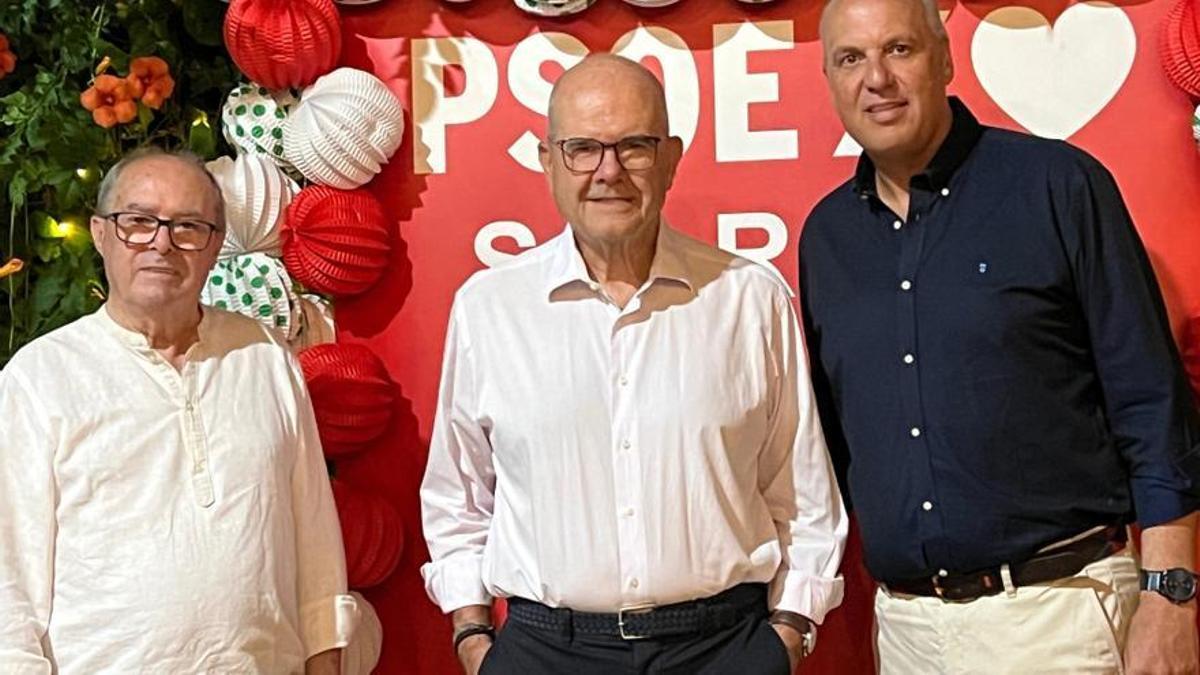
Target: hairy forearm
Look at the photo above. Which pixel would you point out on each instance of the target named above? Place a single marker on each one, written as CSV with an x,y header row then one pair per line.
x,y
472,614
1171,544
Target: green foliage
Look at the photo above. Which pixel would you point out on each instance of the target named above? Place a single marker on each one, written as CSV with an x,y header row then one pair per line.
x,y
52,154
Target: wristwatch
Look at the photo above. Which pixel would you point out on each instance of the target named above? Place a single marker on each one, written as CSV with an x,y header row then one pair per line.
x,y
1176,584
802,625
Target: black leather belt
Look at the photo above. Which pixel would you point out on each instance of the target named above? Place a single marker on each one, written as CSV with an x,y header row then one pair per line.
x,y
696,617
1058,563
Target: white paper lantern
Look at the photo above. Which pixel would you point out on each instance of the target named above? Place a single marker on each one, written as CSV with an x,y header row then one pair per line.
x,y
256,195
554,7
345,128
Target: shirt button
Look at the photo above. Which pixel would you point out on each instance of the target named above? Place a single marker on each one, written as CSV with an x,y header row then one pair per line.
x,y
915,431
633,583
905,285
945,192
624,380
943,573
928,506
897,225
627,513
626,444
909,358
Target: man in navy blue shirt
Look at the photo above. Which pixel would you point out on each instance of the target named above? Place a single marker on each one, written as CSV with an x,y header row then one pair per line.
x,y
994,368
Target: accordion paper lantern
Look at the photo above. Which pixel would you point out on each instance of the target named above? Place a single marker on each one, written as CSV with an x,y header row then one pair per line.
x,y
362,654
312,322
335,241
254,120
352,396
254,285
1179,47
345,128
651,3
372,534
256,196
554,7
283,43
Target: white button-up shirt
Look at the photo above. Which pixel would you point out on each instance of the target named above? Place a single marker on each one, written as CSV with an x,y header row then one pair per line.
x,y
155,520
593,457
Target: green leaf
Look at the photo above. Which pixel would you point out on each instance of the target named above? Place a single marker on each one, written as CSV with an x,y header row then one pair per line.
x,y
202,141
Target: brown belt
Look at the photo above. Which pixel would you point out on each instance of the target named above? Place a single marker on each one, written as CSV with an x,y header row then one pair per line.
x,y
1058,563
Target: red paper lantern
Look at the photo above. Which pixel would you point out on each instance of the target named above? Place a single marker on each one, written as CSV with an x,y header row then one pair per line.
x,y
352,397
335,241
371,533
283,43
1179,47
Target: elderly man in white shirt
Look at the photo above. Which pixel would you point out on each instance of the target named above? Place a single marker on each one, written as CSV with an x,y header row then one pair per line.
x,y
164,505
626,445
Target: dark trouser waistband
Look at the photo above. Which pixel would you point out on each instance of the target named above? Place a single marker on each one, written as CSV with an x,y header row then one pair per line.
x,y
695,617
1057,563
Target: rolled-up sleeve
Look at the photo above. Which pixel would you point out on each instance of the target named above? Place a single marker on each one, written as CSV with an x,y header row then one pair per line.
x,y
1148,402
457,493
27,528
797,481
328,612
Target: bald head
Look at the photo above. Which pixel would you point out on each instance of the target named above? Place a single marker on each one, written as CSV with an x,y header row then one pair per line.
x,y
600,73
929,9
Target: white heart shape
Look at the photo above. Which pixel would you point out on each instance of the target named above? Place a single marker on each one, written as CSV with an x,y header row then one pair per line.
x,y
1054,79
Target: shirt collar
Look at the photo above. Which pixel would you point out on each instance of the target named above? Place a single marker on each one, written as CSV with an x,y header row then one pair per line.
x,y
567,266
965,131
136,340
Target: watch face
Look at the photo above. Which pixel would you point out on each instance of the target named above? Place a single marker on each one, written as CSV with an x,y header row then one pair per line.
x,y
1179,585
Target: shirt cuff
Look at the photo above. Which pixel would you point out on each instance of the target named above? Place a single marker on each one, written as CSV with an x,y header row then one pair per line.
x,y
454,583
327,624
1156,503
804,594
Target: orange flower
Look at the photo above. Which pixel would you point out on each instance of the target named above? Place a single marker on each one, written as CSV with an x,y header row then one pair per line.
x,y
150,80
110,99
13,266
8,60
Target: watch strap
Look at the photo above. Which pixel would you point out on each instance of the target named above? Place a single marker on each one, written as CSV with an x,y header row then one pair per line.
x,y
470,630
800,623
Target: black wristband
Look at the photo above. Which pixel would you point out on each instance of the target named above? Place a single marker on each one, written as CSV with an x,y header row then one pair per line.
x,y
472,629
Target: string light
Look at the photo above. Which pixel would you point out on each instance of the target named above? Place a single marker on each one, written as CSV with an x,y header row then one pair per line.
x,y
84,173
200,119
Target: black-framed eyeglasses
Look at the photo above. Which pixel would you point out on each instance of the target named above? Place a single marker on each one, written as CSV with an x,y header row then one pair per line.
x,y
634,153
186,234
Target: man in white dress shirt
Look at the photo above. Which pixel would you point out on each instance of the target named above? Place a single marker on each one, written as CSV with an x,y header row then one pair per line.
x,y
164,505
626,445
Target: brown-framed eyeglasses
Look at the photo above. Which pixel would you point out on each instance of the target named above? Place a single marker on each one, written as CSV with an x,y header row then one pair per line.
x,y
140,229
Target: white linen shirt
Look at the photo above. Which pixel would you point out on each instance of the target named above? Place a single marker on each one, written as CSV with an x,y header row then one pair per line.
x,y
595,458
155,520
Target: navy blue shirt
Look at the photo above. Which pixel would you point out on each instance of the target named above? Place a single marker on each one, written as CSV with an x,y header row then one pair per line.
x,y
995,367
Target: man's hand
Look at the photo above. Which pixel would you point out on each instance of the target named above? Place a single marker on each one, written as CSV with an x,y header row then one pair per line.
x,y
793,640
1162,638
326,663
471,653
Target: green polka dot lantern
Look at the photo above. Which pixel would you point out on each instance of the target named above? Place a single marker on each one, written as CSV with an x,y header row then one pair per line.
x,y
254,285
255,120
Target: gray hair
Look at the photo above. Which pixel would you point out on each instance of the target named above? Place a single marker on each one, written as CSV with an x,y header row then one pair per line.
x,y
109,184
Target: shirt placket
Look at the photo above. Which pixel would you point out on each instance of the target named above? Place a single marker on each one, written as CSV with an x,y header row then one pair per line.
x,y
627,458
912,236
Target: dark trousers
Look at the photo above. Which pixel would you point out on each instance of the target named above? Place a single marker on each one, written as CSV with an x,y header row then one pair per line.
x,y
748,647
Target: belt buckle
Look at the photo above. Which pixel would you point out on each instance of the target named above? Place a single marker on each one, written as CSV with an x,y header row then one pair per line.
x,y
621,614
937,587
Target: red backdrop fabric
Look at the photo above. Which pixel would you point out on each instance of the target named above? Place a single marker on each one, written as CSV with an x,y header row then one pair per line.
x,y
460,202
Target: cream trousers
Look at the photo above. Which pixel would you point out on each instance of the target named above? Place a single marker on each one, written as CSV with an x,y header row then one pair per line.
x,y
1072,625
